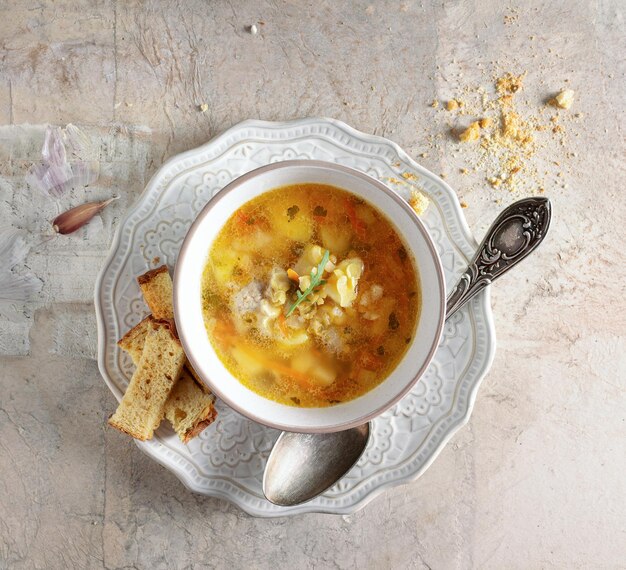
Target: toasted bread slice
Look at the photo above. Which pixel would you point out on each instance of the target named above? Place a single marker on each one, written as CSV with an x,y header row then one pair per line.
x,y
189,407
132,342
143,406
156,286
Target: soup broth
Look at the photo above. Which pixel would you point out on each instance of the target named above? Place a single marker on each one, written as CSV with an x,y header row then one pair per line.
x,y
310,297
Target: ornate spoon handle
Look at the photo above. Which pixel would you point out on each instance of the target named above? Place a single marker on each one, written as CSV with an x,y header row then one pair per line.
x,y
516,232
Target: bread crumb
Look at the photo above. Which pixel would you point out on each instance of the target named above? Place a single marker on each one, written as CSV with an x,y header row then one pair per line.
x,y
452,105
565,99
514,128
418,201
463,204
472,133
464,171
443,176
434,104
203,108
509,83
409,176
485,123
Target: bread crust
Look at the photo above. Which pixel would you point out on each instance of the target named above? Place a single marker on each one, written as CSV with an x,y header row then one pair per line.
x,y
201,426
156,286
170,325
118,427
148,276
132,334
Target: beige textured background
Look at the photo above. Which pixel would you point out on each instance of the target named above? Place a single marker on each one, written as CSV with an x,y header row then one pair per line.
x,y
537,478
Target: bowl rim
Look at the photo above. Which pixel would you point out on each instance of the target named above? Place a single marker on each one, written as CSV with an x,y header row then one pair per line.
x,y
233,185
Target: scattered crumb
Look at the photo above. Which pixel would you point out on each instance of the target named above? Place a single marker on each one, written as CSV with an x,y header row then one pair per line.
x,y
395,180
443,175
452,105
418,201
424,155
463,204
564,99
511,18
252,29
434,104
485,122
464,171
513,127
472,133
410,176
203,108
509,83
156,260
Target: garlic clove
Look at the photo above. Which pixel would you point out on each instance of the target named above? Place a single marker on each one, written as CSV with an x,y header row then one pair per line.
x,y
74,219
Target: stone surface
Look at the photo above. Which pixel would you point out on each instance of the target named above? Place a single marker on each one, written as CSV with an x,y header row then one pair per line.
x,y
536,480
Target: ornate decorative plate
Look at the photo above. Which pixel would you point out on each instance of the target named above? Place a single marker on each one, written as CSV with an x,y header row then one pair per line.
x,y
228,458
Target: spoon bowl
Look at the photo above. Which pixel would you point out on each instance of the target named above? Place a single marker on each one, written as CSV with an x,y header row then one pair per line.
x,y
327,456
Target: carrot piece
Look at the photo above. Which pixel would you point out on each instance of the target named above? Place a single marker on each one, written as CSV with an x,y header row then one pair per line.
x,y
357,225
224,332
279,368
243,218
282,324
370,361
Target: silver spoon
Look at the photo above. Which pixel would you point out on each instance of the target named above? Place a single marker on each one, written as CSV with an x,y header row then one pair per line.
x,y
302,466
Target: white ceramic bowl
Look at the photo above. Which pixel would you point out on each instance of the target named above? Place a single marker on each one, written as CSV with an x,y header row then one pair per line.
x,y
188,303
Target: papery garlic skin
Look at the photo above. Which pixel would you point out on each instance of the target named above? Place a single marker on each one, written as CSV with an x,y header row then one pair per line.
x,y
69,159
15,287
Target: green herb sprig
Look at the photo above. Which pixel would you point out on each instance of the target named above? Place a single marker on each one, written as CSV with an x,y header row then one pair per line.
x,y
316,281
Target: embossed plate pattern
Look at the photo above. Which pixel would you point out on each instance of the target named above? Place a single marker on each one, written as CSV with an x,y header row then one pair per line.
x,y
227,459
